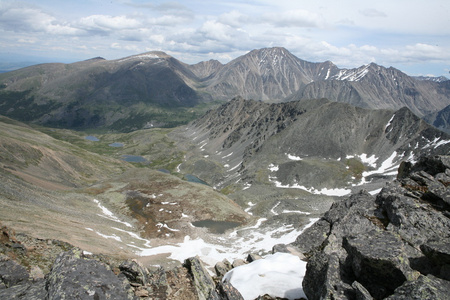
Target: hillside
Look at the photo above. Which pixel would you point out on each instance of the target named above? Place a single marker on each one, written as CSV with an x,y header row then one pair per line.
x,y
59,188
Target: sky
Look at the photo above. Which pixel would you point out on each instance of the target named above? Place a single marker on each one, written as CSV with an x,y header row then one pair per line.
x,y
410,35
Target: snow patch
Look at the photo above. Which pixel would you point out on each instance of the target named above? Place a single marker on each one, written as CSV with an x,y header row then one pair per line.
x,y
278,275
293,157
236,244
235,167
273,168
227,155
389,123
375,192
109,215
387,168
312,190
161,225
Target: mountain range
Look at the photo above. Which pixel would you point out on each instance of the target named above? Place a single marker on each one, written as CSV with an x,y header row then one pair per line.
x,y
308,144
156,89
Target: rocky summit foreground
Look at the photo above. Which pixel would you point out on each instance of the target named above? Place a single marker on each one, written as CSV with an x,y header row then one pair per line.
x,y
392,246
395,245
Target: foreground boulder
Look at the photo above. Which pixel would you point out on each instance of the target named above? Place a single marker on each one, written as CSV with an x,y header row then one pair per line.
x,y
392,246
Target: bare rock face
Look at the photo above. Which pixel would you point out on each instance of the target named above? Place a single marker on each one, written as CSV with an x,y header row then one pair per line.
x,y
74,277
392,246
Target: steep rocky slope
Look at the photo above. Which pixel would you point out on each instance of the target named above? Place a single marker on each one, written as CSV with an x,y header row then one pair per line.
x,y
313,144
392,246
266,74
376,87
440,119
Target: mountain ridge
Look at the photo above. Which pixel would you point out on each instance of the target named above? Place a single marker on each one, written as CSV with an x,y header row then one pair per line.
x,y
251,137
139,89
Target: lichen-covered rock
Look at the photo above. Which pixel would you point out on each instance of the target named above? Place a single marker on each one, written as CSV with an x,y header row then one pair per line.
x,y
378,261
11,273
25,291
134,272
425,287
203,282
227,291
390,246
75,277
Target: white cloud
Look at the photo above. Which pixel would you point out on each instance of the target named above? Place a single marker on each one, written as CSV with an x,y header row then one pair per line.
x,y
20,18
233,18
107,23
373,13
294,18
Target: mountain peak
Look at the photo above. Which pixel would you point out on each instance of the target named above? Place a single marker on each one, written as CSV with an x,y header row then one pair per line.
x,y
146,56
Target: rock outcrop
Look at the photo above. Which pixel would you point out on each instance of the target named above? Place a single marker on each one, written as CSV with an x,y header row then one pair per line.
x,y
395,245
73,274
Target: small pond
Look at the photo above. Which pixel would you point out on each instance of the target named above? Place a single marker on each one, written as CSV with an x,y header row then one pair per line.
x,y
134,158
193,178
92,138
218,227
116,145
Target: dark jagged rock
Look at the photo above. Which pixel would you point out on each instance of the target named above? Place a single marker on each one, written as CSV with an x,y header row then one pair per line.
x,y
134,272
11,273
378,261
394,246
227,291
26,291
203,282
361,293
425,287
75,277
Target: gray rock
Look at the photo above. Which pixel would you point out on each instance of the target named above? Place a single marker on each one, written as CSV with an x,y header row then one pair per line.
x,y
11,273
203,282
378,261
25,291
75,277
222,268
361,293
227,291
425,287
438,251
394,245
313,237
134,272
238,262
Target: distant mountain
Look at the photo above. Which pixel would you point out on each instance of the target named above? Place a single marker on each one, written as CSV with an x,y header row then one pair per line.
x,y
315,144
432,78
373,86
440,119
98,92
267,74
155,89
